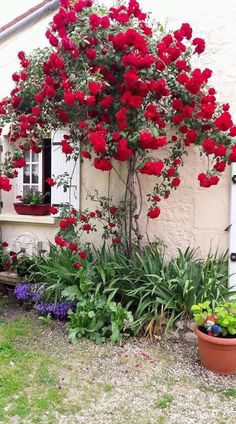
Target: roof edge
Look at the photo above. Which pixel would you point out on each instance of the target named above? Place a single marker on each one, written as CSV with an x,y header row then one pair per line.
x,y
23,15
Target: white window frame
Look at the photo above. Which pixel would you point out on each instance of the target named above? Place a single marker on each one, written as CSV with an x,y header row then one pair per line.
x,y
20,179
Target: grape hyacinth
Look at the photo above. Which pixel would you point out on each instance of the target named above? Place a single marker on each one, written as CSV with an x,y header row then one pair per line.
x,y
29,292
57,310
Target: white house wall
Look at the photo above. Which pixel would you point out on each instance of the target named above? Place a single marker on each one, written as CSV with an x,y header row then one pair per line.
x,y
192,215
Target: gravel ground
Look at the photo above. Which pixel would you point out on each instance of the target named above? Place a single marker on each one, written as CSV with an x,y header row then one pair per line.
x,y
140,382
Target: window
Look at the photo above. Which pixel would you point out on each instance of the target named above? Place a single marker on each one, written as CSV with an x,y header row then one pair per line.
x,y
49,163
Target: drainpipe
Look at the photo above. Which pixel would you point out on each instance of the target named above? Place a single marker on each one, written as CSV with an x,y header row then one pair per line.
x,y
28,20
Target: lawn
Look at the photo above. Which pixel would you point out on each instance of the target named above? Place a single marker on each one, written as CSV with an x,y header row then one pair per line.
x,y
44,379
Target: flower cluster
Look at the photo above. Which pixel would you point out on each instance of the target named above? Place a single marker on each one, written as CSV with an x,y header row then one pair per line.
x,y
57,310
29,292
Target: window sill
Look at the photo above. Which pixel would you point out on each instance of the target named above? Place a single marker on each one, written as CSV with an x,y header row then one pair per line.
x,y
28,219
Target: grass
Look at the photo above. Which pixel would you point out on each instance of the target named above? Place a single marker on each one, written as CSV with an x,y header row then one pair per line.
x,y
231,393
164,401
28,384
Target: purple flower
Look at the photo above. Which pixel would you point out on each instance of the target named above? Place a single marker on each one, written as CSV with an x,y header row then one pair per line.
x,y
29,292
23,291
57,310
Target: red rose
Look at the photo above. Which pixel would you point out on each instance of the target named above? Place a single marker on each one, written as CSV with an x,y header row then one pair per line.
x,y
91,54
102,164
224,121
171,172
152,168
63,224
116,240
214,179
220,150
53,210
83,255
5,184
67,149
50,182
154,213
175,182
208,146
4,244
220,166
78,265
123,151
73,247
85,154
71,220
87,227
69,98
83,217
60,242
200,45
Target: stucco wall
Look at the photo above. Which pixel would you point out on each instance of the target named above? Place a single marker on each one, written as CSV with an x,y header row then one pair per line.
x,y
192,215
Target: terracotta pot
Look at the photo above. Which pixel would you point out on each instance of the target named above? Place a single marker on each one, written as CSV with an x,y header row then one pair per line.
x,y
39,210
217,354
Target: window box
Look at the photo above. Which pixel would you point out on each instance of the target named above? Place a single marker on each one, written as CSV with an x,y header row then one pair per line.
x,y
37,210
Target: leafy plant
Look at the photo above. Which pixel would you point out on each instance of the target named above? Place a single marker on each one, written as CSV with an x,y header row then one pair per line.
x,y
25,265
47,320
99,318
220,320
32,198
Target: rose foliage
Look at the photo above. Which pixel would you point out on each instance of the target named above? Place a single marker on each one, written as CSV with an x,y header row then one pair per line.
x,y
127,93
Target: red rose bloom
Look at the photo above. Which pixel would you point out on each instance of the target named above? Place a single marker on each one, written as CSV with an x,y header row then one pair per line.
x,y
83,255
50,182
200,45
87,227
102,164
152,168
78,265
85,154
220,166
154,213
224,122
73,247
116,240
53,210
175,182
208,146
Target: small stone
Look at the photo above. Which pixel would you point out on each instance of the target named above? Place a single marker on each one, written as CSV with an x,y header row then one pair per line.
x,y
190,325
190,337
180,324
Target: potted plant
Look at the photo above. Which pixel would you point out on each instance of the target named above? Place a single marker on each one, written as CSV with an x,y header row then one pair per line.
x,y
216,332
32,204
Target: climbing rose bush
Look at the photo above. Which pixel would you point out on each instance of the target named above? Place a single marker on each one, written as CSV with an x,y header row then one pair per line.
x,y
127,93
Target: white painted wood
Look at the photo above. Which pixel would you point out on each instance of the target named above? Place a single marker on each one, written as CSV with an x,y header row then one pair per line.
x,y
59,165
232,230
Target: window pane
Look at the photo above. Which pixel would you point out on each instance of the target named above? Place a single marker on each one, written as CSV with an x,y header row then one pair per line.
x,y
35,157
26,189
27,156
26,174
35,174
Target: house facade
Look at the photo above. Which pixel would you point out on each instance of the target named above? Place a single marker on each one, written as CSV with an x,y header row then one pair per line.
x,y
192,216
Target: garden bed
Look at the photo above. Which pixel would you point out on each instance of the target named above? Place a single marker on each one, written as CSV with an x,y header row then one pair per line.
x,y
137,382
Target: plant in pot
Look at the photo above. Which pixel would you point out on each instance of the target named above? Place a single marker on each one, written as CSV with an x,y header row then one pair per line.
x,y
216,332
32,204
